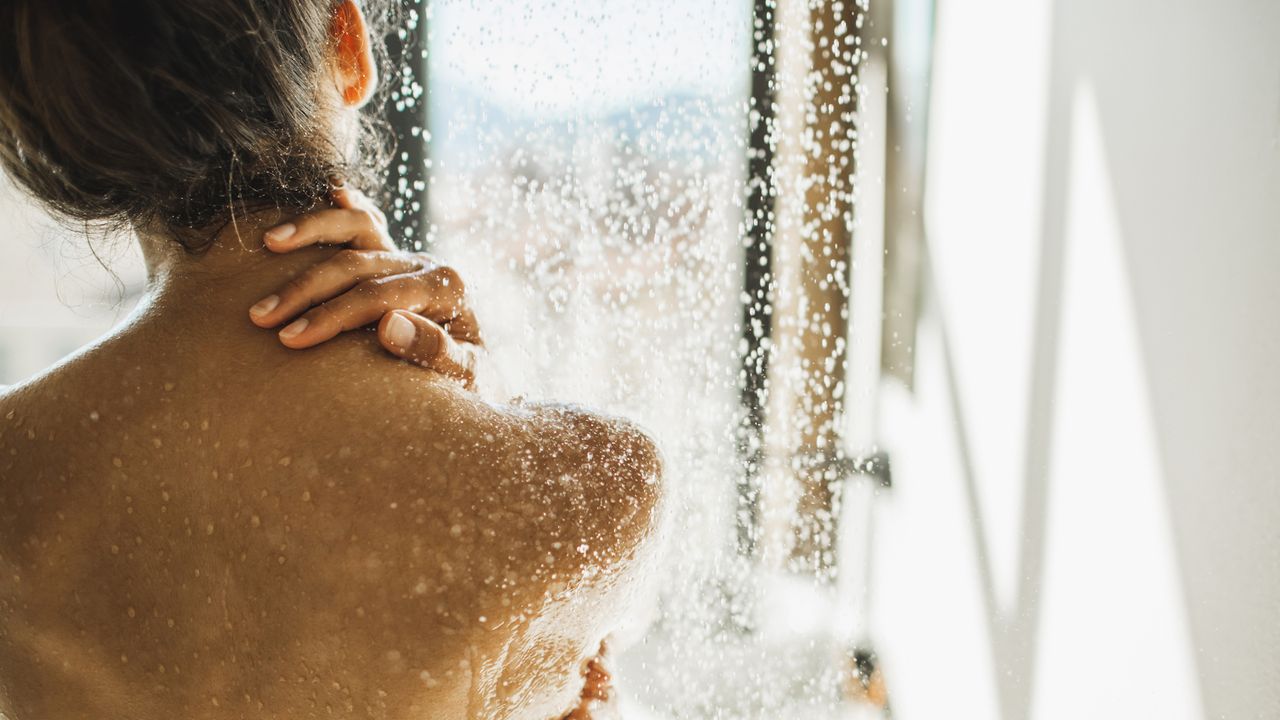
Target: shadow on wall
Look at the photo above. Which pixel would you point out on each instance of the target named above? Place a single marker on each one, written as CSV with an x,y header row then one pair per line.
x,y
1145,554
1188,107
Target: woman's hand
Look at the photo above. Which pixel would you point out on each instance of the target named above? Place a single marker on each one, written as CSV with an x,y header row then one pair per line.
x,y
422,305
597,690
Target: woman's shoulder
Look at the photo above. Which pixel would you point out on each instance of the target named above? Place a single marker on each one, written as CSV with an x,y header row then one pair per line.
x,y
550,494
557,491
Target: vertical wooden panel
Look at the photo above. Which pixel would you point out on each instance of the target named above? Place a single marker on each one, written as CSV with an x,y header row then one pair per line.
x,y
757,311
406,113
822,277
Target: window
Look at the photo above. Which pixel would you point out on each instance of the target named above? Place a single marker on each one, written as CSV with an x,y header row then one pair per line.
x,y
606,176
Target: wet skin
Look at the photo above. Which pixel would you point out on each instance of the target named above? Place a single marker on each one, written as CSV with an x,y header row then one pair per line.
x,y
198,522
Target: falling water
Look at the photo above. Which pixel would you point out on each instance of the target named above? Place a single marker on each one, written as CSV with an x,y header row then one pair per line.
x,y
587,170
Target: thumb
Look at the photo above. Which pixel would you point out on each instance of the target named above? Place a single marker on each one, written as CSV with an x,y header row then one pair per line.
x,y
415,338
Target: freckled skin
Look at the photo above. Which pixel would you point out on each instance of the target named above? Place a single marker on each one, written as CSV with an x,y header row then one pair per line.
x,y
197,522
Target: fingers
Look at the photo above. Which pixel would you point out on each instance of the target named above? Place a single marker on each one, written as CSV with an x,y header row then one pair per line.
x,y
361,229
327,279
418,340
437,292
353,199
599,683
596,690
464,328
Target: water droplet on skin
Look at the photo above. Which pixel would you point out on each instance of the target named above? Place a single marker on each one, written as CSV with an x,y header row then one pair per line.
x,y
94,416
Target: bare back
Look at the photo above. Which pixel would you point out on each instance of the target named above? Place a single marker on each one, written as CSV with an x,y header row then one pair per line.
x,y
196,522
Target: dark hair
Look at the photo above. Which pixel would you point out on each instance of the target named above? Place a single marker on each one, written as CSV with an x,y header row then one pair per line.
x,y
172,111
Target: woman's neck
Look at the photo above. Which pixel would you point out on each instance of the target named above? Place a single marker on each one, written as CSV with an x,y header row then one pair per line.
x,y
227,278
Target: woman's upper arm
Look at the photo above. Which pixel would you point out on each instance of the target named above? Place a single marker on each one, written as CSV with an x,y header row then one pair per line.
x,y
601,477
546,498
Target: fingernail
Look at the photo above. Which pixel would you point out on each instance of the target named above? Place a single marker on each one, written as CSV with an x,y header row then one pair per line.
x,y
294,328
280,233
265,305
400,332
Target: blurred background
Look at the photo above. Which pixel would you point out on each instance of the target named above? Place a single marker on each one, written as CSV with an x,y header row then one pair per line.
x,y
957,321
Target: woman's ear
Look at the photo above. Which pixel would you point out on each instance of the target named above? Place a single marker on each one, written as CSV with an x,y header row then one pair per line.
x,y
355,71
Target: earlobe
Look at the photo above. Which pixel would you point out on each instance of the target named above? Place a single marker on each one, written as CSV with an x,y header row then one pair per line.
x,y
354,96
356,73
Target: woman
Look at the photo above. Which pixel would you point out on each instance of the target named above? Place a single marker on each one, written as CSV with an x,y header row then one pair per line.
x,y
199,519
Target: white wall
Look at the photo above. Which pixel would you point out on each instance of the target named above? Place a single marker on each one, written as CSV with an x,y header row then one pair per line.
x,y
55,295
1086,518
